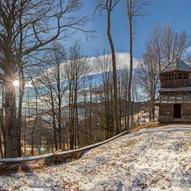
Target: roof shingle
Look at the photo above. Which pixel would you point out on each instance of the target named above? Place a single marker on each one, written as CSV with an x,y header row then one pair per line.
x,y
177,65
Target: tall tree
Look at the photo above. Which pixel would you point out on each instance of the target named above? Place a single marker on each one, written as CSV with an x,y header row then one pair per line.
x,y
108,6
173,44
54,87
25,27
105,84
122,96
75,68
164,45
149,80
35,88
134,10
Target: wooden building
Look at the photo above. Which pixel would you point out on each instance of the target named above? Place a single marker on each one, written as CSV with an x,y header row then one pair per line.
x,y
175,93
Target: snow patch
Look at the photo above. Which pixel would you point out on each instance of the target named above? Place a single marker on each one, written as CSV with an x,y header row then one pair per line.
x,y
151,159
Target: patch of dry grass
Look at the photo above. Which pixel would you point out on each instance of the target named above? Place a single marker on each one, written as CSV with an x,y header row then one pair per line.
x,y
145,126
153,125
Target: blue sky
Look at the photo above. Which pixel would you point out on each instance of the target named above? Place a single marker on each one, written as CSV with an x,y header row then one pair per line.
x,y
176,13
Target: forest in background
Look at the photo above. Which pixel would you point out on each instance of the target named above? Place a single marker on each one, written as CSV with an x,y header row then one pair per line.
x,y
50,100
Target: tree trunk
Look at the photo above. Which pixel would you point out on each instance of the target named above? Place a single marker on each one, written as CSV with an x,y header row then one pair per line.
x,y
21,94
71,127
90,113
1,144
59,107
54,120
59,122
77,133
36,119
129,119
2,123
114,72
12,139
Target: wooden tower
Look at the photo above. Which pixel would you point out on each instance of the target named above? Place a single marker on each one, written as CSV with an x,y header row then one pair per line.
x,y
175,93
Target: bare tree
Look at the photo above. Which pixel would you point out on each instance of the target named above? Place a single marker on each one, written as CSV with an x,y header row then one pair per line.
x,y
163,47
173,44
122,96
149,80
166,45
27,26
134,10
75,68
108,6
103,65
54,87
35,87
2,129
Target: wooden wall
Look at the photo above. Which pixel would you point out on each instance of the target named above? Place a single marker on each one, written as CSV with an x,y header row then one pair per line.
x,y
186,112
166,113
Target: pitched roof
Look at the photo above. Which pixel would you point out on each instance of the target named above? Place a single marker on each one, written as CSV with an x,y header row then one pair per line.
x,y
177,65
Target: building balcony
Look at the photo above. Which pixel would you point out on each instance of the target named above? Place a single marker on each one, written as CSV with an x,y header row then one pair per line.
x,y
176,83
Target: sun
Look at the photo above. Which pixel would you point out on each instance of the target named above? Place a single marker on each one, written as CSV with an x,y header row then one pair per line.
x,y
16,83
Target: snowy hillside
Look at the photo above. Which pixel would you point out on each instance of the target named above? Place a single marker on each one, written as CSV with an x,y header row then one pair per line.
x,y
150,160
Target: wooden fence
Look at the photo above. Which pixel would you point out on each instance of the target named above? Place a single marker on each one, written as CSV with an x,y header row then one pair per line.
x,y
28,164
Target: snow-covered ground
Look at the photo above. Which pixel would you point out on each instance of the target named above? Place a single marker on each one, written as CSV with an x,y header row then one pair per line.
x,y
150,160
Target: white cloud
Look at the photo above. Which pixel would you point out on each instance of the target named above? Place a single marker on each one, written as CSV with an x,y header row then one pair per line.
x,y
122,61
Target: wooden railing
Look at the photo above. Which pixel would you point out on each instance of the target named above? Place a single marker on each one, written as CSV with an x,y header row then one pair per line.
x,y
28,164
176,83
